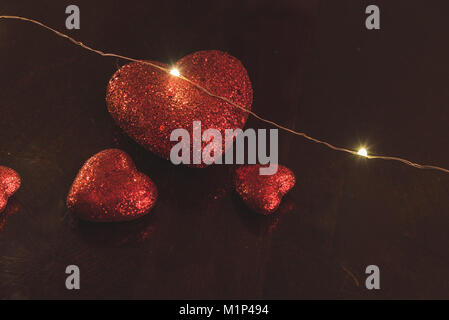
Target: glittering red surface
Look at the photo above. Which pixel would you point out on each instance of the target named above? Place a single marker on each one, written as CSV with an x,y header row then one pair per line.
x,y
109,188
9,184
148,104
262,193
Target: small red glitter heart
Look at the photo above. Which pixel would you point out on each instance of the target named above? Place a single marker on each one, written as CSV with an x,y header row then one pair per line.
x,y
263,193
9,184
148,103
109,188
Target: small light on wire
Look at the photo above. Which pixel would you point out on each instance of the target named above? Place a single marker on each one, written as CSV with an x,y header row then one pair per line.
x,y
175,72
362,152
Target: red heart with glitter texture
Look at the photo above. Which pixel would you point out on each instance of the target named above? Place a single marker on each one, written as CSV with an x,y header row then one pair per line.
x,y
108,188
263,193
149,103
9,184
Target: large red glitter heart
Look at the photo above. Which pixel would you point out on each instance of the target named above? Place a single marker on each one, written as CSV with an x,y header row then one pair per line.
x,y
263,193
109,188
148,103
9,184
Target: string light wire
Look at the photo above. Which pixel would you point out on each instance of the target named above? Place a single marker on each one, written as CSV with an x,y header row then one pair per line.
x,y
302,134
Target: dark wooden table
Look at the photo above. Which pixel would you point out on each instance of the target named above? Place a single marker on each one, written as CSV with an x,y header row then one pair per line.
x,y
314,68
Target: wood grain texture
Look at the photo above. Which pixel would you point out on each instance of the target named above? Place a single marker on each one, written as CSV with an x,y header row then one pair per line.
x,y
315,68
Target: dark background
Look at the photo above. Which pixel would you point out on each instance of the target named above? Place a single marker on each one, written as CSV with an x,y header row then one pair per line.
x,y
314,68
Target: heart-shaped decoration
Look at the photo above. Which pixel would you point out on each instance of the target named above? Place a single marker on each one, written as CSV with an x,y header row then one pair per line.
x,y
9,184
109,188
263,193
148,103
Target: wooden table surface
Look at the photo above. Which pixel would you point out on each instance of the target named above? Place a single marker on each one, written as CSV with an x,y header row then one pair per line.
x,y
314,68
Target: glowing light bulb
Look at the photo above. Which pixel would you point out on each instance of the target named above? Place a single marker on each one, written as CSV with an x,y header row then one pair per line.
x,y
362,152
175,72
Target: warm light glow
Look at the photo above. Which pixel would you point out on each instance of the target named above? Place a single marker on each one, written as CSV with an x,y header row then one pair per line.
x,y
362,152
175,72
